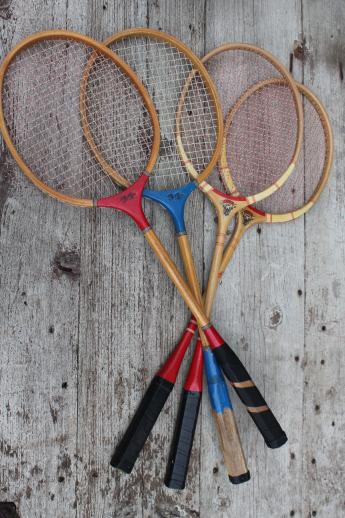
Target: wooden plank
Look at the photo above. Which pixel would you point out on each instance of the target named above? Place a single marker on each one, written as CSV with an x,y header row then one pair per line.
x,y
39,323
323,420
258,307
184,20
111,356
79,347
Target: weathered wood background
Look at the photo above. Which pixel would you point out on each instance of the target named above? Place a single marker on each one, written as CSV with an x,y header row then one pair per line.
x,y
85,322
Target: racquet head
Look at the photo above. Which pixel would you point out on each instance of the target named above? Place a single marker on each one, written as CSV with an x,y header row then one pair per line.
x,y
302,190
304,187
164,64
41,116
263,123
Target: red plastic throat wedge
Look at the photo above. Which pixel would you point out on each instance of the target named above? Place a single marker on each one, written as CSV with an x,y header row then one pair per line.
x,y
129,201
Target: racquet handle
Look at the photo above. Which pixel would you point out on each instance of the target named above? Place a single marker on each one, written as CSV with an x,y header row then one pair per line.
x,y
247,391
215,341
229,439
186,422
226,425
144,419
181,447
133,441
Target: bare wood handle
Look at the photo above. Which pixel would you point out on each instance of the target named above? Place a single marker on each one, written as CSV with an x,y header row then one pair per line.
x,y
226,425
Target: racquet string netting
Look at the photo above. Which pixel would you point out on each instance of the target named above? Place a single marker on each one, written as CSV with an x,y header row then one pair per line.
x,y
164,70
310,166
42,109
262,136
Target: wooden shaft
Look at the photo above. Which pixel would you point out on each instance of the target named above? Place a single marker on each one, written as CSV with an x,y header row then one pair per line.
x,y
192,277
176,277
213,279
231,247
189,266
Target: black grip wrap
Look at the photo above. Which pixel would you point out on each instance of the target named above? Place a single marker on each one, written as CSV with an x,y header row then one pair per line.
x,y
235,371
181,447
144,419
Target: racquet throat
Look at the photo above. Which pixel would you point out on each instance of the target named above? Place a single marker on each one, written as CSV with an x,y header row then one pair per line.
x,y
129,201
174,201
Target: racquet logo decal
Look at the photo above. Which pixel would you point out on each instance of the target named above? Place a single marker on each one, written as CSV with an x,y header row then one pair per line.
x,y
175,196
227,207
128,197
247,217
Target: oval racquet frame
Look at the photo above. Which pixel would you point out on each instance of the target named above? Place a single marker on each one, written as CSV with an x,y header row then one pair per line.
x,y
251,216
66,35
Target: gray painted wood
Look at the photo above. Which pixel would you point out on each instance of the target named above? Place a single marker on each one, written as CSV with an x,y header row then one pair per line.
x,y
85,323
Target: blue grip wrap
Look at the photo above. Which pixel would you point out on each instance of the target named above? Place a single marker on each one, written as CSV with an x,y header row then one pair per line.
x,y
217,388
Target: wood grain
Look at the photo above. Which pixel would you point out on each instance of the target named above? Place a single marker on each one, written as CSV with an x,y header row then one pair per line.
x,y
87,314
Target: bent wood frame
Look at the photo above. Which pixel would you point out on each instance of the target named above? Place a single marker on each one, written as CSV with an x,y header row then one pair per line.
x,y
99,48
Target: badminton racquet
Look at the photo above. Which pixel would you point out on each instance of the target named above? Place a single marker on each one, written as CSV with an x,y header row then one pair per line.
x,y
302,189
261,119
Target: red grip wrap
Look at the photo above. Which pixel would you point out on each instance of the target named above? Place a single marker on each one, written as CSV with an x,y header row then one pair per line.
x,y
193,382
130,202
214,338
170,369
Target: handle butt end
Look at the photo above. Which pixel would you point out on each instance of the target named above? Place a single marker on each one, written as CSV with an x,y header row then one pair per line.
x,y
277,443
240,479
118,463
177,468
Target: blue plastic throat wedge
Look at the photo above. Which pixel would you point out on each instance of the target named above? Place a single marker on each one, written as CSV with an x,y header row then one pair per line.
x,y
174,201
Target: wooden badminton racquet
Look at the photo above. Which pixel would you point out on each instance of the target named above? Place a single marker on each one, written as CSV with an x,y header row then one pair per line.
x,y
302,189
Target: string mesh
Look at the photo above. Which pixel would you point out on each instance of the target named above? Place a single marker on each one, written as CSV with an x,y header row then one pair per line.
x,y
262,137
309,168
41,104
164,71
